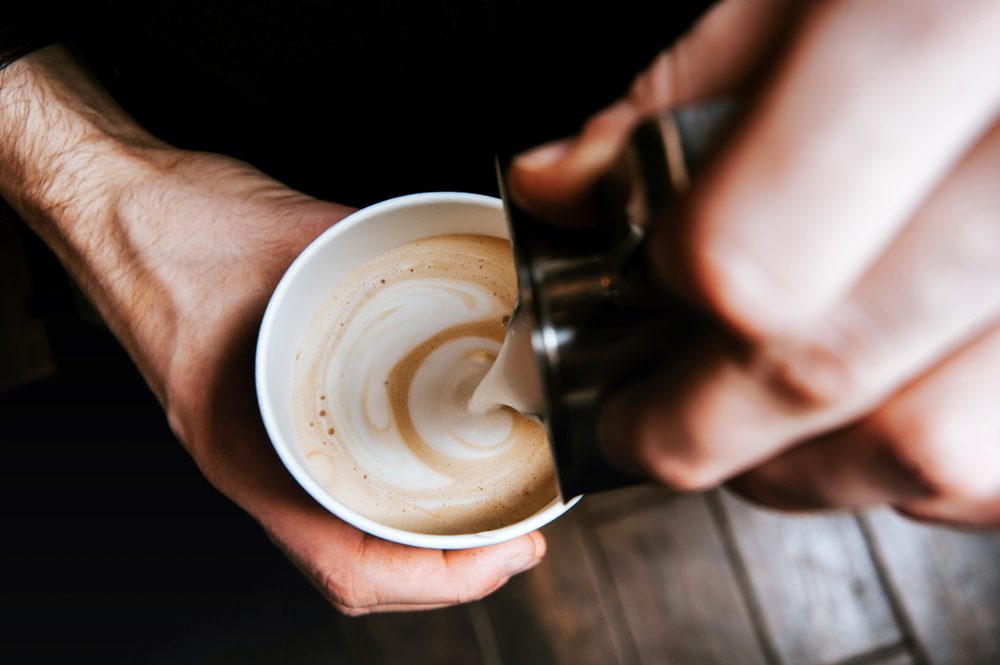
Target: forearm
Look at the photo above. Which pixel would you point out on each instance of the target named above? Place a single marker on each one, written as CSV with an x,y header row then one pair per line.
x,y
180,251
150,232
66,148
70,161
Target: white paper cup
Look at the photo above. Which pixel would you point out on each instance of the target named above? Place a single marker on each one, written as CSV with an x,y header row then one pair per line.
x,y
330,258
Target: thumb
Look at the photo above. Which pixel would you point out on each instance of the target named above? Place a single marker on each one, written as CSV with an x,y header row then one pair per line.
x,y
724,50
387,577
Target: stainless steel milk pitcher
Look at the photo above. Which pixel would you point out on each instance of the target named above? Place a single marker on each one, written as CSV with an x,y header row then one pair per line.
x,y
597,318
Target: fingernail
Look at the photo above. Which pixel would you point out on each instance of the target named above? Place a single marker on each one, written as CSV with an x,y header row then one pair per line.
x,y
544,156
519,564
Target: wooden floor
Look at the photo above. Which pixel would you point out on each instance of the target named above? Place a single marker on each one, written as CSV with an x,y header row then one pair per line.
x,y
641,576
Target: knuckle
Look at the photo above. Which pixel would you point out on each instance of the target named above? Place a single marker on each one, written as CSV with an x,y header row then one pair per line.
x,y
653,88
681,470
682,450
725,277
610,120
736,275
684,476
941,456
712,274
340,587
810,373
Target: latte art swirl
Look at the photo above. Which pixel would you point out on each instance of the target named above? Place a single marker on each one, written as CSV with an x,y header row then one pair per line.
x,y
383,382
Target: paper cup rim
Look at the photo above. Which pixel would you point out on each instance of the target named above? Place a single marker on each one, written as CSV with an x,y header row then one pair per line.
x,y
301,474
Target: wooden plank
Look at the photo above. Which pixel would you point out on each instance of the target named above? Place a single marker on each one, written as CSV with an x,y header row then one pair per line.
x,y
606,506
438,637
814,581
678,591
947,583
901,658
891,655
557,613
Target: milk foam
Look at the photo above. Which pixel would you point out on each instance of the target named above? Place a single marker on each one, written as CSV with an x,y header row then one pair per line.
x,y
513,379
382,386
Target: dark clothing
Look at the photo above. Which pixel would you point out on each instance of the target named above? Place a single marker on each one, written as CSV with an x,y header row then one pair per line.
x,y
360,100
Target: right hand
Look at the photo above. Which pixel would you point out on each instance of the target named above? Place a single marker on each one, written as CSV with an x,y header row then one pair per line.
x,y
846,240
180,252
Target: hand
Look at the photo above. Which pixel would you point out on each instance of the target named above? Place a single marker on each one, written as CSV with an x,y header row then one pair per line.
x,y
846,238
217,237
180,252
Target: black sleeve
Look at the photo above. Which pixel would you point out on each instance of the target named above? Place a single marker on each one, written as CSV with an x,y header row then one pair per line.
x,y
25,30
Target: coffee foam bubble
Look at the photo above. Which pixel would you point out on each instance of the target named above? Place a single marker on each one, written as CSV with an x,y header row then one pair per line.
x,y
382,385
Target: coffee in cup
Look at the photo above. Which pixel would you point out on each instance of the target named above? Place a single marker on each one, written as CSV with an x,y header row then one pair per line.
x,y
383,381
442,479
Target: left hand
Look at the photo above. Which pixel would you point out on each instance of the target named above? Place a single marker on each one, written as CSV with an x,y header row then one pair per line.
x,y
210,238
180,251
846,239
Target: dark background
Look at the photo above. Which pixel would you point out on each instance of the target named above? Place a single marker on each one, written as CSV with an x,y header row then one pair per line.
x,y
115,549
